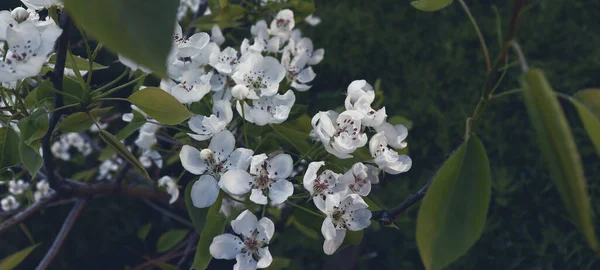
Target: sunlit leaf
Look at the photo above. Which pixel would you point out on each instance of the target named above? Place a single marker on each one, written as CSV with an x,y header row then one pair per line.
x,y
137,29
215,227
587,103
430,5
34,127
559,151
31,157
170,239
81,121
13,260
81,63
143,231
9,148
454,209
160,105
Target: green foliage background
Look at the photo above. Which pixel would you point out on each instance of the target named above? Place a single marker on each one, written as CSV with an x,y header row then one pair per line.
x,y
432,69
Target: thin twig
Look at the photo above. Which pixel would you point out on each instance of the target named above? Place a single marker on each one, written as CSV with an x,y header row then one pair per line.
x,y
171,254
27,212
169,214
386,217
57,79
62,235
488,64
202,6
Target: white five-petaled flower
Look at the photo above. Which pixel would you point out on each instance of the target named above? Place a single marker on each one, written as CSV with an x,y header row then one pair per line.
x,y
268,177
28,46
260,74
9,203
42,189
321,186
349,213
225,61
17,187
268,110
188,47
150,157
170,186
297,71
217,159
341,134
195,83
204,127
387,159
359,178
249,247
395,135
304,46
360,96
283,24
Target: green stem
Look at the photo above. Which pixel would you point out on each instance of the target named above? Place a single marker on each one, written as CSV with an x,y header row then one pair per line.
x,y
264,210
80,79
488,64
122,86
119,99
305,209
113,82
64,107
244,124
505,94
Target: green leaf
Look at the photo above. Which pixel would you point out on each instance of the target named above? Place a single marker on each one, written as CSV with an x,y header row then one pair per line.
x,y
353,238
115,144
197,215
294,138
137,29
279,263
138,121
559,150
399,120
34,127
85,176
15,259
430,5
80,63
31,157
454,209
587,103
160,105
81,121
142,233
6,175
9,148
170,239
215,227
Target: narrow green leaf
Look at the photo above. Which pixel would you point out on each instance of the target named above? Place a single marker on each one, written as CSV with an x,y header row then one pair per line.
x,y
587,103
170,239
142,233
430,5
34,127
80,63
144,33
197,215
160,105
13,260
454,210
9,148
214,227
115,144
81,121
559,150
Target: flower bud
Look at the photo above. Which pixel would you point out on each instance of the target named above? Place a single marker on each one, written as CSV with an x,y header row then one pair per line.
x,y
20,14
240,92
205,154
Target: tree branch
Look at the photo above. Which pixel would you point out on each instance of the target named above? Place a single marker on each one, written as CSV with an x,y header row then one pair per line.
x,y
62,235
202,6
386,217
57,80
171,254
27,212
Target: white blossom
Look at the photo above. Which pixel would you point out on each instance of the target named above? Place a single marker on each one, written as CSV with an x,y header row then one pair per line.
x,y
170,186
395,135
216,35
260,74
387,159
205,127
359,178
283,24
349,213
42,189
17,187
326,184
268,110
341,134
225,61
312,20
250,244
267,178
360,96
9,203
150,157
297,71
195,83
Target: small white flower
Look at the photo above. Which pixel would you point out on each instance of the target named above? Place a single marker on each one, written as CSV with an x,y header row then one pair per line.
x,y
224,62
341,134
323,185
171,187
359,178
108,168
241,92
223,158
19,14
193,86
60,150
188,47
261,75
304,46
297,71
9,203
145,140
387,159
312,20
395,135
17,187
268,110
150,157
205,127
283,24
216,35
360,96
250,246
42,189
349,213
269,178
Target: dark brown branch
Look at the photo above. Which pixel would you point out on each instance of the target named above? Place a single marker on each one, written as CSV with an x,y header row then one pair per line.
x,y
62,235
386,217
202,6
27,212
57,80
174,253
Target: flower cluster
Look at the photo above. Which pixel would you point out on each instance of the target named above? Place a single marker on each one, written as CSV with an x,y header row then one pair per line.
x,y
17,191
62,147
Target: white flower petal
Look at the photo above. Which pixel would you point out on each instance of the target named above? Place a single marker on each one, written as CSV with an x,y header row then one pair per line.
x,y
265,258
191,161
258,197
331,245
245,223
225,246
205,191
280,191
236,182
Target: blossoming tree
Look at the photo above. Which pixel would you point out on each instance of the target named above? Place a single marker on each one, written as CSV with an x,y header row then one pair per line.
x,y
209,121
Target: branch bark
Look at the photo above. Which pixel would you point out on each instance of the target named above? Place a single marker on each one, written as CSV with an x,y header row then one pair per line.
x,y
27,212
62,235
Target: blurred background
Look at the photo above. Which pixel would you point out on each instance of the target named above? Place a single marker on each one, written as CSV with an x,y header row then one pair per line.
x,y
431,70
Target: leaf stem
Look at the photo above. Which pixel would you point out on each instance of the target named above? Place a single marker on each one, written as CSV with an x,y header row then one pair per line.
x,y
488,65
122,86
305,209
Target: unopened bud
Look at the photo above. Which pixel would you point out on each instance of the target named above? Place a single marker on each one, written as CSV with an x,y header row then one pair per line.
x,y
205,154
19,14
240,92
